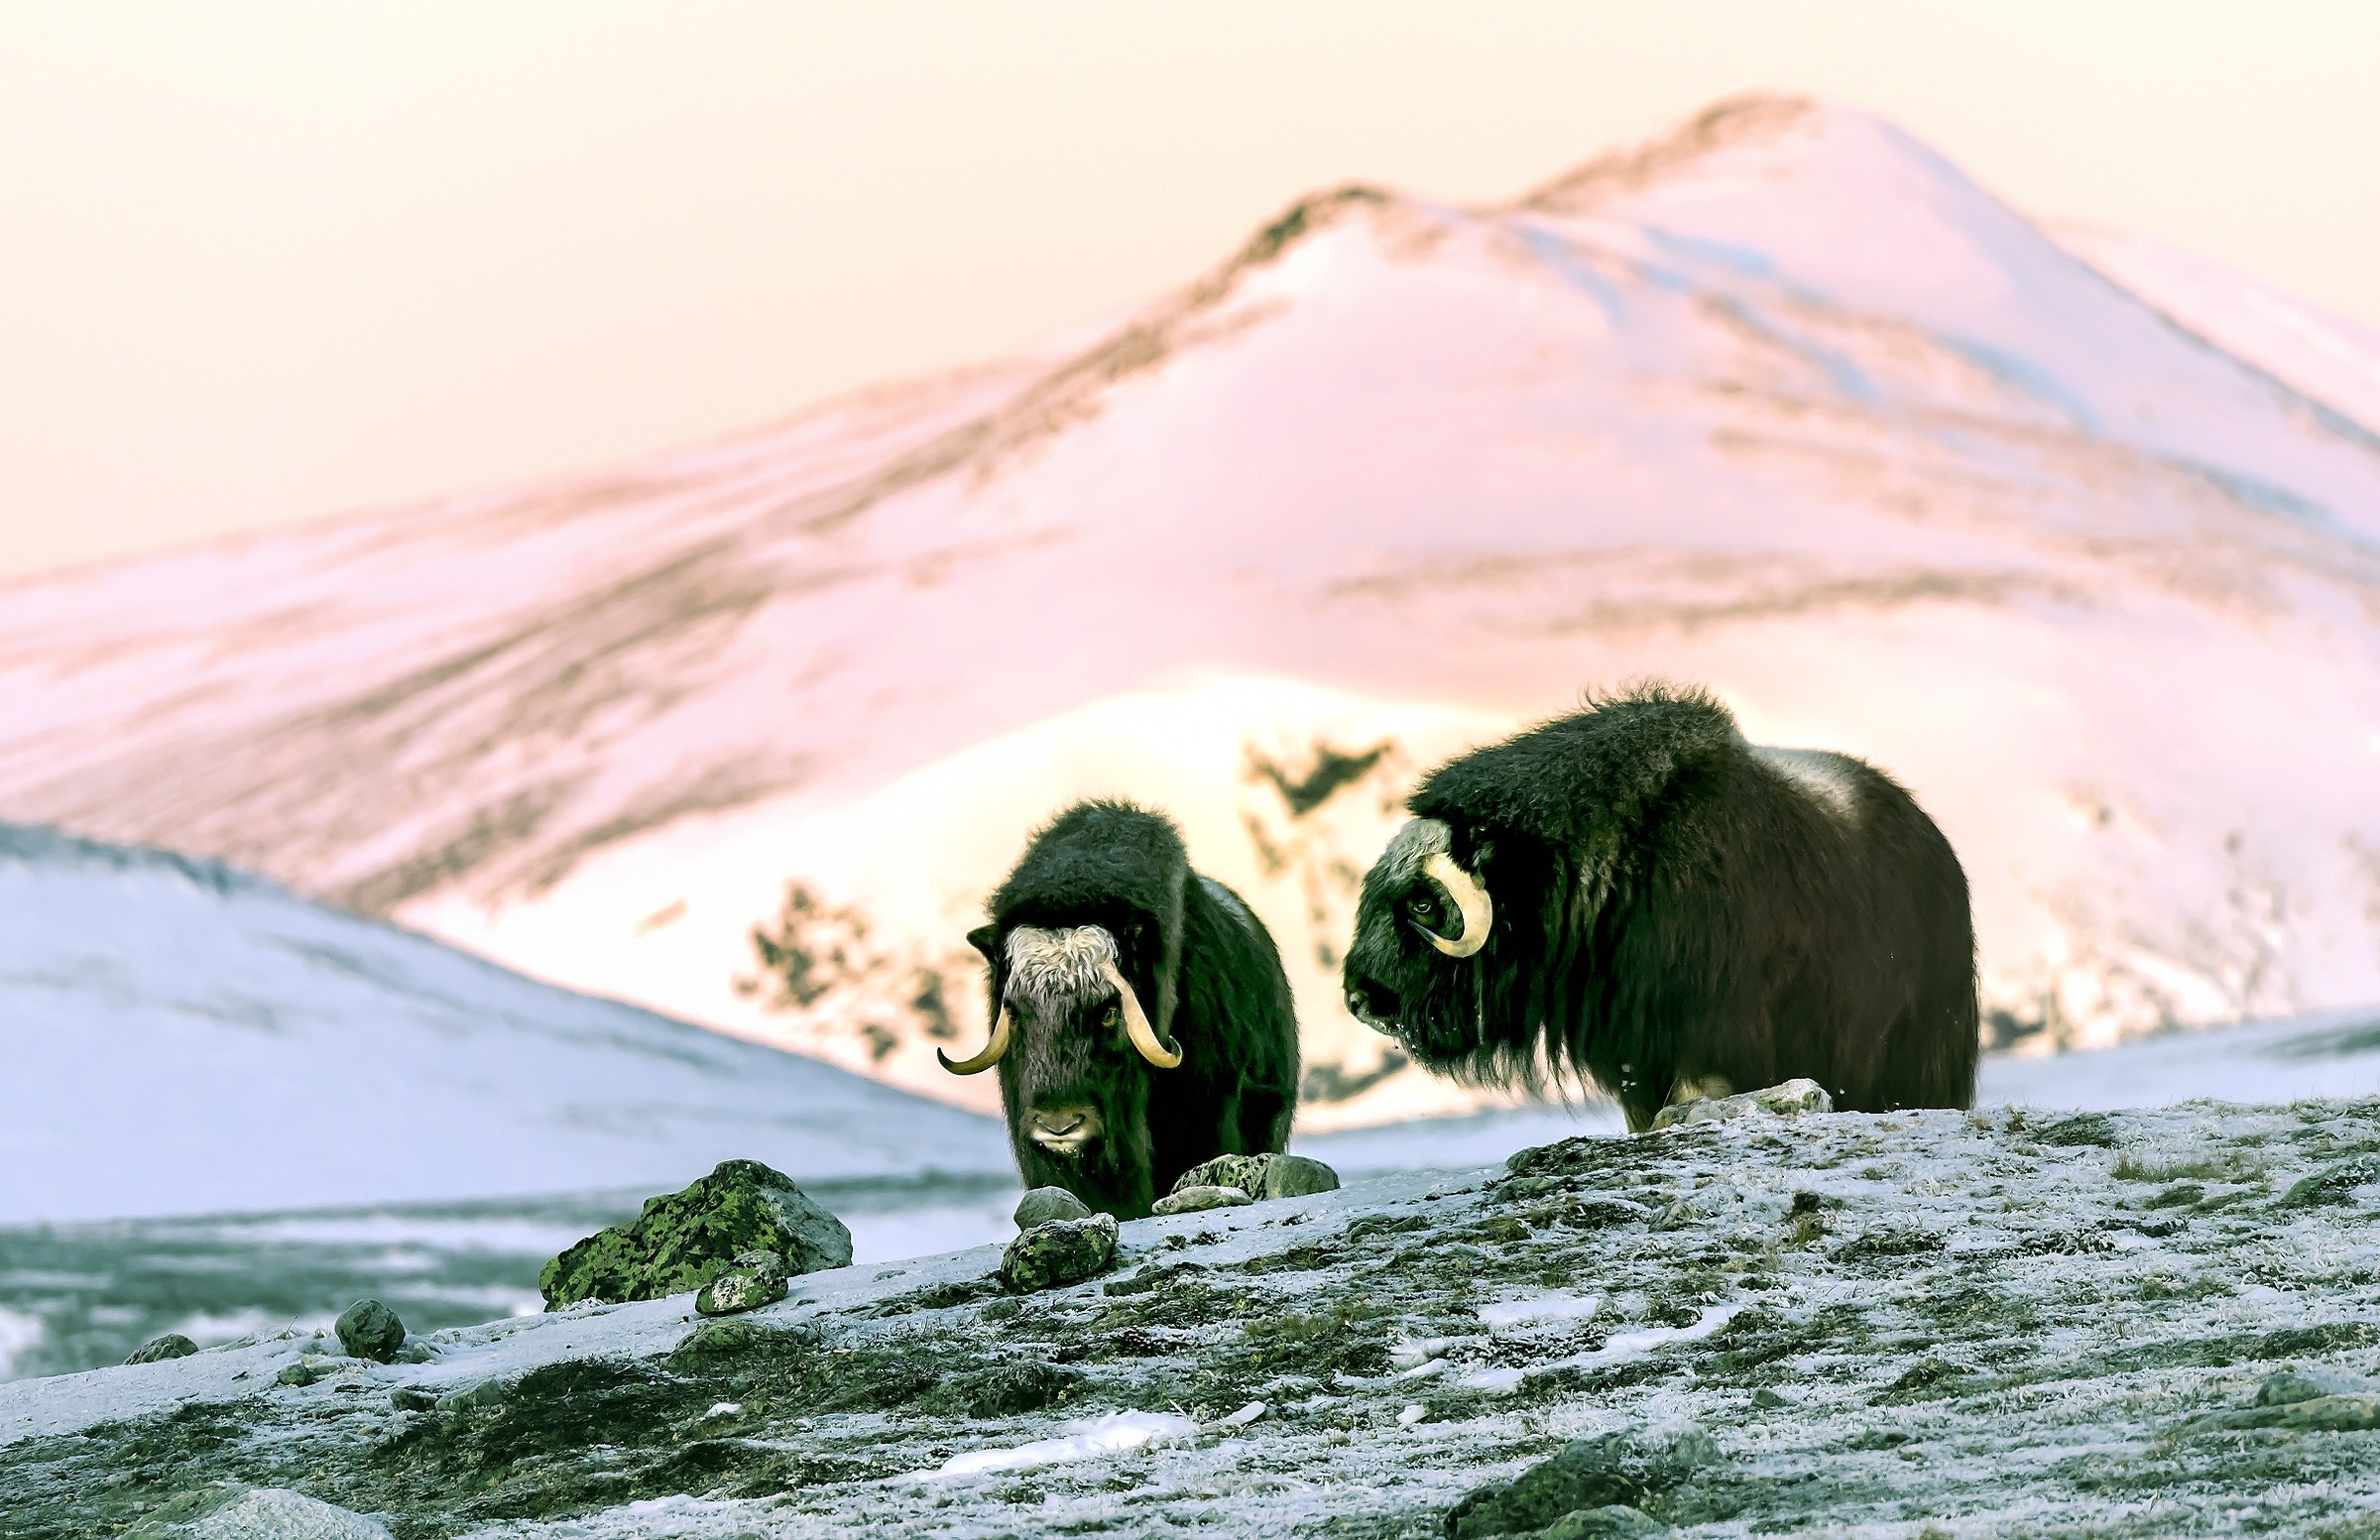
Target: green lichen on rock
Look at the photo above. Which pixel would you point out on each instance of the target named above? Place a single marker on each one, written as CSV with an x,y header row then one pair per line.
x,y
1262,1177
1190,1200
682,1241
1631,1470
1059,1253
756,1278
156,1351
369,1329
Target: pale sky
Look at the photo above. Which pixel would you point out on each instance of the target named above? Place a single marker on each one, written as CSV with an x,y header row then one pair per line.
x,y
265,261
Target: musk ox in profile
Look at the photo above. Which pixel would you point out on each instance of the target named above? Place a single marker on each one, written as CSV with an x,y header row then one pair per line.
x,y
1141,1022
1637,893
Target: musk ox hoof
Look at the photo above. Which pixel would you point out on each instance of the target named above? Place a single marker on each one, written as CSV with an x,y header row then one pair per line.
x,y
1789,1100
1262,1176
1060,1253
1045,1203
1189,1200
753,1279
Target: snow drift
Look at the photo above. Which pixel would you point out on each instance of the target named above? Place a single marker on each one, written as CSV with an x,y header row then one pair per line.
x,y
1783,404
177,1039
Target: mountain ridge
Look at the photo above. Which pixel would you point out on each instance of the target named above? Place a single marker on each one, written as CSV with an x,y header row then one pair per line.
x,y
1791,408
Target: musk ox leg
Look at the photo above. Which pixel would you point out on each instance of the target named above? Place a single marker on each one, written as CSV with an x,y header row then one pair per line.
x,y
1264,1118
1689,1088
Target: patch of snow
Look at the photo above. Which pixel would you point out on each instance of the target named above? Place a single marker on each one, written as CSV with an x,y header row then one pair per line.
x,y
1114,1434
1536,1309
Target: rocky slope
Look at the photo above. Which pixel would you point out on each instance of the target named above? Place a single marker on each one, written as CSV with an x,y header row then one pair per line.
x,y
2009,1322
1783,403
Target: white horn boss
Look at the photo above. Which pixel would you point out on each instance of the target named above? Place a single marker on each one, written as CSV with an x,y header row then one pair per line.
x,y
1471,901
1156,1050
986,1060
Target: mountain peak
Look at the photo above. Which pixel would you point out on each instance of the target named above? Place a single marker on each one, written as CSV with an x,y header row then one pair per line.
x,y
1754,118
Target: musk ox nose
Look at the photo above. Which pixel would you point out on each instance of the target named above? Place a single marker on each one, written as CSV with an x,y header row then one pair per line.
x,y
1372,1000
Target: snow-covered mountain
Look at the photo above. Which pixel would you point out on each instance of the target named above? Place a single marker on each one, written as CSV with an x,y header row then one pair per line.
x,y
177,1038
1783,404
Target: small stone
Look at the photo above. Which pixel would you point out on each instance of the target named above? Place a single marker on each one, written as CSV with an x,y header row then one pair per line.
x,y
1045,1203
1612,1470
413,1398
681,1241
1769,1401
156,1351
369,1329
2290,1384
1298,1177
230,1512
1613,1521
1189,1200
1789,1100
1059,1253
307,1372
488,1392
754,1279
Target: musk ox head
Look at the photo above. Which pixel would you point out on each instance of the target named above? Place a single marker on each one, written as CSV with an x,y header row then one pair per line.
x,y
1074,1046
1420,966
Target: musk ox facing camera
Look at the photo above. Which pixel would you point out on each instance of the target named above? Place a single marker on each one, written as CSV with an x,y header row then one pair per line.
x,y
1140,1020
1636,893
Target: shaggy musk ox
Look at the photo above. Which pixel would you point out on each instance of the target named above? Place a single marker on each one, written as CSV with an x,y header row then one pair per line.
x,y
1141,1022
1636,893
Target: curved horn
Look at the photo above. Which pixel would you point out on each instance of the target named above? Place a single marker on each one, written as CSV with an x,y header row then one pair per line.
x,y
986,1060
1156,1050
1469,899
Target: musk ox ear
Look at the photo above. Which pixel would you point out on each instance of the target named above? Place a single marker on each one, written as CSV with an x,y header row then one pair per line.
x,y
986,940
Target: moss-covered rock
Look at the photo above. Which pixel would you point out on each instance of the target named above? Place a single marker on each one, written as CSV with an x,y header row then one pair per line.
x,y
1262,1177
683,1240
1628,1469
170,1346
756,1278
1060,1253
369,1329
1189,1200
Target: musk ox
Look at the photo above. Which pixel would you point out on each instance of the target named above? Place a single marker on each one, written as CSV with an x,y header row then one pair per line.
x,y
1637,893
1141,1019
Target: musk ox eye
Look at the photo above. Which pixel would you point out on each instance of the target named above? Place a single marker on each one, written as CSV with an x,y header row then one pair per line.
x,y
1423,906
1111,1018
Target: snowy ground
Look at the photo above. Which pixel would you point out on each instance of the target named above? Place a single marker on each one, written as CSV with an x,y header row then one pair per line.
x,y
1943,1324
77,1296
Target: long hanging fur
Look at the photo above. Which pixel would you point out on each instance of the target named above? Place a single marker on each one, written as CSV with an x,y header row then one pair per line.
x,y
1109,879
1673,904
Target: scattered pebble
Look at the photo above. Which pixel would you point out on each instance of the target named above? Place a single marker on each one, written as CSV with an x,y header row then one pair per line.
x,y
1044,1205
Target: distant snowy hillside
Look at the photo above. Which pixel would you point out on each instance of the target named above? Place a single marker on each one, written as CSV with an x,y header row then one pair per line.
x,y
179,1038
1783,404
